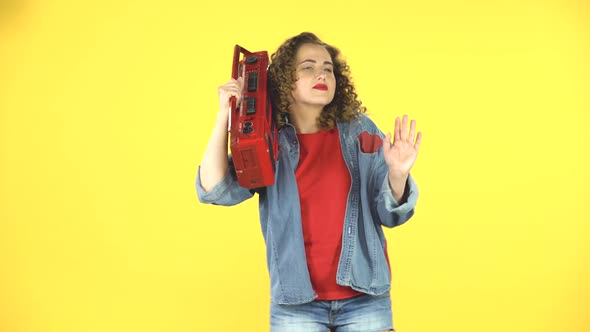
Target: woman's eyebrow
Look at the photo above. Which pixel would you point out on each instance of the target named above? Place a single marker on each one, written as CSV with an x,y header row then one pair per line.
x,y
313,61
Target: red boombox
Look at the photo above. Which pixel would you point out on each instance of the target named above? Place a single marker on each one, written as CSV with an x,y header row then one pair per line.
x,y
253,133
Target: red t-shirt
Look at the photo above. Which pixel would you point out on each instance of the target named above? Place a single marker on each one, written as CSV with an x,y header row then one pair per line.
x,y
323,181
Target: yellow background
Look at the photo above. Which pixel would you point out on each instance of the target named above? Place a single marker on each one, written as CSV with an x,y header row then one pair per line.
x,y
106,108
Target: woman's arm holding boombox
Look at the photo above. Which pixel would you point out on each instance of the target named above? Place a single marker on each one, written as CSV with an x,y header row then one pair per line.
x,y
215,163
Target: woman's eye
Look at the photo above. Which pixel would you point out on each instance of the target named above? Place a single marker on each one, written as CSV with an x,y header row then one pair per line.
x,y
307,68
328,70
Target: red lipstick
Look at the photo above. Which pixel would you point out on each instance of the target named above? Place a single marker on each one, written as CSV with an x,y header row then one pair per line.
x,y
322,87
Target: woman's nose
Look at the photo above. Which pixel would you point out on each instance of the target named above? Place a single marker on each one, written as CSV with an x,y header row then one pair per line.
x,y
321,74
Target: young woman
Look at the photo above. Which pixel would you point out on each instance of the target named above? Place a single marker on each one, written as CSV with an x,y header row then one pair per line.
x,y
338,180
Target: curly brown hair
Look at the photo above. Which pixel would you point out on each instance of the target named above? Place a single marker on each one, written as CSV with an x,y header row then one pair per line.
x,y
344,107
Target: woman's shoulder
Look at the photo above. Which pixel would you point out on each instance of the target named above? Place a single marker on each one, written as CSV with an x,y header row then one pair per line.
x,y
359,124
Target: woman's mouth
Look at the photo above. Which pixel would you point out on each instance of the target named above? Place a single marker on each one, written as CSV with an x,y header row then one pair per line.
x,y
322,87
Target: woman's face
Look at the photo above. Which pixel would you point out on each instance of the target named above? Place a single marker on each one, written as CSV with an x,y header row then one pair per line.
x,y
314,71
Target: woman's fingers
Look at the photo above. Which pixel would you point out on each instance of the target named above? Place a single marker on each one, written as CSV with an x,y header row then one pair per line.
x,y
233,88
404,129
397,130
405,134
418,140
387,143
411,137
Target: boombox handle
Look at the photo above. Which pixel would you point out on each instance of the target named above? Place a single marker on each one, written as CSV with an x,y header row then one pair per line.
x,y
234,74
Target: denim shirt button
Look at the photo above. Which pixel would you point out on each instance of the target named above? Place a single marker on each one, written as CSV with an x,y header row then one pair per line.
x,y
294,142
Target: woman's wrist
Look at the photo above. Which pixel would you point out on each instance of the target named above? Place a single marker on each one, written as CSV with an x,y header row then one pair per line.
x,y
397,184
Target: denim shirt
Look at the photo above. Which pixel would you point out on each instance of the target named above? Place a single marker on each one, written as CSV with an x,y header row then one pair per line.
x,y
363,265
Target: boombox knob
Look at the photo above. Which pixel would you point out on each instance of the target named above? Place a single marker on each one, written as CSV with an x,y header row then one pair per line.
x,y
247,127
251,60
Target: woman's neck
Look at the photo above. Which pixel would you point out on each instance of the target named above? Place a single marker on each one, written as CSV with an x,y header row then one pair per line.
x,y
305,121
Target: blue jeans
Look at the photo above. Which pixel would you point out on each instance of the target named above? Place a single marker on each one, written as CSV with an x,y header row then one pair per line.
x,y
363,313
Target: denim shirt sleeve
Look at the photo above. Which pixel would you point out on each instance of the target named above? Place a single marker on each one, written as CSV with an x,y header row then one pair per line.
x,y
391,213
227,192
